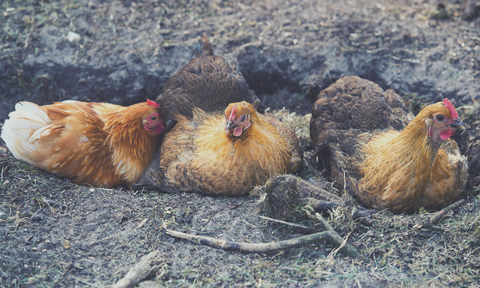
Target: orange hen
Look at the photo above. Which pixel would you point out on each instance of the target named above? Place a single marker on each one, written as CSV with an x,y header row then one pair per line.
x,y
360,136
97,143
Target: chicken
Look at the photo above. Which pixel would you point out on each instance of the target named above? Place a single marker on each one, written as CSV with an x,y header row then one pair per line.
x,y
357,132
227,154
208,82
97,143
221,144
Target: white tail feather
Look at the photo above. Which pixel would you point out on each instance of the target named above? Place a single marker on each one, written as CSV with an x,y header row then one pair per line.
x,y
27,123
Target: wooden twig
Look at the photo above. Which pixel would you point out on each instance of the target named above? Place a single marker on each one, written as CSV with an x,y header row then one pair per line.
x,y
330,235
346,248
320,205
148,264
305,228
435,218
323,221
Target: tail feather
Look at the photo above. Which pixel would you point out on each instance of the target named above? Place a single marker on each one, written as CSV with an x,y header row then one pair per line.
x,y
31,111
203,48
27,123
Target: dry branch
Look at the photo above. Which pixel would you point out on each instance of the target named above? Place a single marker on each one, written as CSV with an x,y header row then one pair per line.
x,y
305,228
435,218
148,264
323,221
330,235
319,205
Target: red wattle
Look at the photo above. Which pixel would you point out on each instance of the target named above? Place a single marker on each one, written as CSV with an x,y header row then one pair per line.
x,y
445,134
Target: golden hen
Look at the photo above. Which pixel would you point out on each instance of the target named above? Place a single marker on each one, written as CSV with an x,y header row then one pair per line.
x,y
97,143
357,130
225,154
221,144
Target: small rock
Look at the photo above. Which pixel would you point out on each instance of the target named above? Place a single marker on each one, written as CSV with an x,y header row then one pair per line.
x,y
73,37
471,10
119,217
87,264
37,218
187,219
179,213
148,284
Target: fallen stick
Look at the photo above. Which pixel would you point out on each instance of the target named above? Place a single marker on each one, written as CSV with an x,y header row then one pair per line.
x,y
435,218
330,235
143,269
323,221
305,228
319,205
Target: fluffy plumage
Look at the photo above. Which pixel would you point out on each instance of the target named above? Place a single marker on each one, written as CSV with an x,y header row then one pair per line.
x,y
204,154
97,143
212,149
208,82
357,130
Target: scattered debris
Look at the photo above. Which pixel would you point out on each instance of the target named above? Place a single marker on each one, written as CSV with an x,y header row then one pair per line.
x,y
73,37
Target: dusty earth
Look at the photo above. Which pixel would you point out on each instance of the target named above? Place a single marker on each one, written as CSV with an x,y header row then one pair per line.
x,y
54,233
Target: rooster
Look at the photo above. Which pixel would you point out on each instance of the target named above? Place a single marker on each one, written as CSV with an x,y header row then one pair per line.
x,y
360,135
97,143
225,154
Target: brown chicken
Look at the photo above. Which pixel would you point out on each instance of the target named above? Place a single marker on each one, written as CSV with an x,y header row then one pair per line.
x,y
357,132
208,82
97,143
221,144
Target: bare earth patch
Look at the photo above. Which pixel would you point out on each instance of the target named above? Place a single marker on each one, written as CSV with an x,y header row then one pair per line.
x,y
55,233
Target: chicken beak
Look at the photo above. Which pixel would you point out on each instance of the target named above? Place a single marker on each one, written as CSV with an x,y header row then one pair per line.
x,y
457,124
230,125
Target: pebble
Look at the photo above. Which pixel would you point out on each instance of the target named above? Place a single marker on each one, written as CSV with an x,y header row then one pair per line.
x,y
73,37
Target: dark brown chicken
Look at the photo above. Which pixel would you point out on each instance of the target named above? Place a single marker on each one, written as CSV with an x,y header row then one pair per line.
x,y
362,137
208,82
221,144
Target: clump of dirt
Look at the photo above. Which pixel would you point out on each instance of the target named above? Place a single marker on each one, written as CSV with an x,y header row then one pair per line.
x,y
55,233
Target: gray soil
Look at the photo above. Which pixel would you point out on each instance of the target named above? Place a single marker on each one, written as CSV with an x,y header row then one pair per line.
x,y
54,233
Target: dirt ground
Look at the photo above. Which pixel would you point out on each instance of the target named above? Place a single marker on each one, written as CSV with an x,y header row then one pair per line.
x,y
57,234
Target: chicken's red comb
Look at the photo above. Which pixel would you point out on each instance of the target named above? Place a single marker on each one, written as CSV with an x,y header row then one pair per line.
x,y
153,103
449,105
233,114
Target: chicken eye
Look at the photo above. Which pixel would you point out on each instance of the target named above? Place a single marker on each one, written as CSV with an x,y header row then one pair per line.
x,y
153,118
440,118
243,118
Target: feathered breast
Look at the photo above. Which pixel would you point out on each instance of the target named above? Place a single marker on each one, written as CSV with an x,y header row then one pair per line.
x,y
199,156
